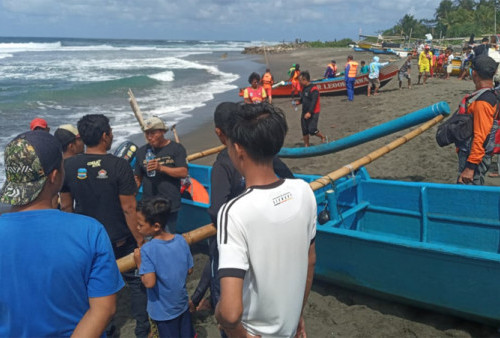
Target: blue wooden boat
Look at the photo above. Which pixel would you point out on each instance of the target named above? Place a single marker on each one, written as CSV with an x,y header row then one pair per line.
x,y
431,245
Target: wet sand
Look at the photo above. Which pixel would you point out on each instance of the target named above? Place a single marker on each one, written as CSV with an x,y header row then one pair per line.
x,y
333,311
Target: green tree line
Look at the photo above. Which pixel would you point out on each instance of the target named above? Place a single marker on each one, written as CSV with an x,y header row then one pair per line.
x,y
459,18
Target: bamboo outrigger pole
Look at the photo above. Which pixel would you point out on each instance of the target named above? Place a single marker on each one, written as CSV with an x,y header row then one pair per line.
x,y
140,119
127,263
135,108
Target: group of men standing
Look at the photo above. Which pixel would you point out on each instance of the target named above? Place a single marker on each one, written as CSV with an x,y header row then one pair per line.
x,y
90,183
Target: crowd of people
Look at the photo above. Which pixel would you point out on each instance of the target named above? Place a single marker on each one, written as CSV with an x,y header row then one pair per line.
x,y
74,211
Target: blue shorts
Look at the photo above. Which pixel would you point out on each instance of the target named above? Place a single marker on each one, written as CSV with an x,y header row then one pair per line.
x,y
181,326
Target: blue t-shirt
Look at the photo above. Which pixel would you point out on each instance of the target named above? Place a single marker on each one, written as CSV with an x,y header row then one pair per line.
x,y
51,263
170,261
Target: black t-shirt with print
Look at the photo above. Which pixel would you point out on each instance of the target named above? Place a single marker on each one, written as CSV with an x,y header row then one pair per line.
x,y
95,183
172,155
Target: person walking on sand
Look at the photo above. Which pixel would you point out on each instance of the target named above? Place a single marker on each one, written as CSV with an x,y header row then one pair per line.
x,y
351,70
374,74
311,107
267,84
164,263
424,64
263,293
59,274
474,154
255,93
405,72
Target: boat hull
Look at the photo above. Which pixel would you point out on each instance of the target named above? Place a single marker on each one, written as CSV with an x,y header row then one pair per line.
x,y
423,244
336,86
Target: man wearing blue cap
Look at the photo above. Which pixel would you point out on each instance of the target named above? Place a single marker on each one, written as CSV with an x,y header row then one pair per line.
x,y
59,275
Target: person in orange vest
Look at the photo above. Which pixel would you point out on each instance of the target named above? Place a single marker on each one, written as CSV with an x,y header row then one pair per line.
x,y
267,84
331,70
255,93
351,69
294,79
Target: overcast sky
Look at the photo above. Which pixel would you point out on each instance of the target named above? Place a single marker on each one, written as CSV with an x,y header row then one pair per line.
x,y
271,20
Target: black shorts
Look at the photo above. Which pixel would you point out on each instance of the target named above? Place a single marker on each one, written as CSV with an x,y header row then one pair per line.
x,y
310,126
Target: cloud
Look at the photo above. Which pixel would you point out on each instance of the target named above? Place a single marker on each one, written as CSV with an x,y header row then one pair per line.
x,y
217,19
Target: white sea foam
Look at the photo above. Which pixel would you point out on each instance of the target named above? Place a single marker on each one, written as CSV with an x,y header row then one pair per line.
x,y
202,46
4,56
167,76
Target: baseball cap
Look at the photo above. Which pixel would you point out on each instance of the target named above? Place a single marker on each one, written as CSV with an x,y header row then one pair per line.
x,y
38,123
153,123
485,66
28,160
66,134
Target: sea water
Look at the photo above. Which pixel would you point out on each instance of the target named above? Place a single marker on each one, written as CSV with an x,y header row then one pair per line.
x,y
61,79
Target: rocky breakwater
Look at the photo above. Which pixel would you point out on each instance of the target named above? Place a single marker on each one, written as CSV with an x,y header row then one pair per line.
x,y
275,49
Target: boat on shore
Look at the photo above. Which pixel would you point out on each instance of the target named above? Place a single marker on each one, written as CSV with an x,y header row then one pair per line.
x,y
422,244
336,86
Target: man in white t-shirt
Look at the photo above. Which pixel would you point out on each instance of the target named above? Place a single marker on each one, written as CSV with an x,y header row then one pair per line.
x,y
265,235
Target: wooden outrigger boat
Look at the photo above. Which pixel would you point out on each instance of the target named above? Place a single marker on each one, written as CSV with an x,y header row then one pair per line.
x,y
336,86
424,244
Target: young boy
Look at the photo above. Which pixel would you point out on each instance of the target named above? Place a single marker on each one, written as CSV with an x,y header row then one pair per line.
x,y
164,263
265,235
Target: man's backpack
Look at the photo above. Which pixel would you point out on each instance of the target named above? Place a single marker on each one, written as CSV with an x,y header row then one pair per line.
x,y
460,126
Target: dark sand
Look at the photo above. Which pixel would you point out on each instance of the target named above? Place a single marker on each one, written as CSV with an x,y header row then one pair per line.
x,y
333,311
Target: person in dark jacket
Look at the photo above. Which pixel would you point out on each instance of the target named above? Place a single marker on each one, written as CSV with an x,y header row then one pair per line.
x,y
309,99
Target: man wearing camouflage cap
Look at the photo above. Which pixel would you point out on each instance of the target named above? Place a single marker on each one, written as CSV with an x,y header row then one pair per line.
x,y
59,275
169,166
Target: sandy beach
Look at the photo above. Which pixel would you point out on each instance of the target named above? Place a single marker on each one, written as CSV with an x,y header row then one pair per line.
x,y
332,311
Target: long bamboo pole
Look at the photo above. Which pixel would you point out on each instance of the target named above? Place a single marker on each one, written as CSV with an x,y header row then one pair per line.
x,y
135,108
127,263
347,169
206,152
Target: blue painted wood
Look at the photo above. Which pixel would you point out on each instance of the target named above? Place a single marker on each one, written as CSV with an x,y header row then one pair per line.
x,y
431,245
403,122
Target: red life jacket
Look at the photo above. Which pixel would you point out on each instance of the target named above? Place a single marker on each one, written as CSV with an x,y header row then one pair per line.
x,y
317,107
255,94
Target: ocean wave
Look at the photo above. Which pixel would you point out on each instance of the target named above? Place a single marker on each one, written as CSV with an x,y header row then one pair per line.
x,y
5,56
206,46
167,76
13,47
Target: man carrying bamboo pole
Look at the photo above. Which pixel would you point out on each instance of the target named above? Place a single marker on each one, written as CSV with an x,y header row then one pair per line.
x,y
59,276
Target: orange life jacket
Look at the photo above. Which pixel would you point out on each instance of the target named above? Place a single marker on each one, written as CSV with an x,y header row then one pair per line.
x,y
333,68
267,80
295,76
353,69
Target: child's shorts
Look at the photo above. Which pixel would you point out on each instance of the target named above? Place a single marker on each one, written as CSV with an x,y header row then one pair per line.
x,y
181,326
